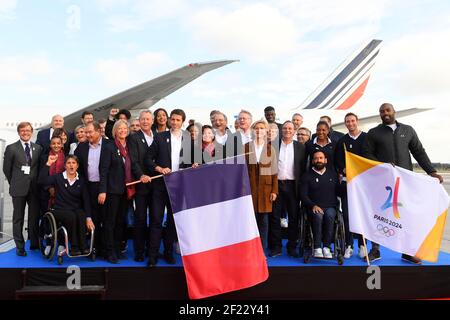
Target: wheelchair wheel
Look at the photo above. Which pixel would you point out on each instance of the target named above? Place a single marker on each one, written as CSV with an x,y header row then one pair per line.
x,y
301,235
339,239
48,236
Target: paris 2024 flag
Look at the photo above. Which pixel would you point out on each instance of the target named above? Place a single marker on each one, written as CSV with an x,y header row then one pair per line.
x,y
397,208
217,231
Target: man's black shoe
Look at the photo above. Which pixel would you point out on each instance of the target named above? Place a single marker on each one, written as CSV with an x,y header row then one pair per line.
x,y
374,255
152,262
21,252
32,248
112,259
139,258
293,253
169,258
275,253
411,259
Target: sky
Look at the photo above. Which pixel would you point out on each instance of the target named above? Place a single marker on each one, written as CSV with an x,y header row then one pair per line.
x,y
59,56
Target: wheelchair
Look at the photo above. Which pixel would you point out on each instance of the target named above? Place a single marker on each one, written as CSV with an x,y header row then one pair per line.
x,y
306,237
52,234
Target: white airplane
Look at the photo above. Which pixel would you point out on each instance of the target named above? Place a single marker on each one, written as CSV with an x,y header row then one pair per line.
x,y
336,96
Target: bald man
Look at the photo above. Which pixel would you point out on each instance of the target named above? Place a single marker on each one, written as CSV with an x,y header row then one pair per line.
x,y
44,136
394,142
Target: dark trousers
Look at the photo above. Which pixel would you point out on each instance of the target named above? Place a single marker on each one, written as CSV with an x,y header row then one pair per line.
x,y
323,226
348,234
262,220
286,199
97,216
32,199
140,230
114,221
160,200
75,223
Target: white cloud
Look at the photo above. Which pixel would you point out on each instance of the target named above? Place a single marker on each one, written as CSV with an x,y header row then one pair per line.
x,y
124,15
22,68
121,72
257,31
7,9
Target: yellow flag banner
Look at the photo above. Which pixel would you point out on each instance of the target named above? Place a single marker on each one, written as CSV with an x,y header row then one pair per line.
x,y
397,208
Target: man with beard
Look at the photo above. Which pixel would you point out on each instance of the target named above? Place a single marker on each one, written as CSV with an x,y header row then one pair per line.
x,y
392,142
318,193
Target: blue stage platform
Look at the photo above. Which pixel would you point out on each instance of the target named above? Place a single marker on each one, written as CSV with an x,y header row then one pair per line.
x,y
35,260
289,278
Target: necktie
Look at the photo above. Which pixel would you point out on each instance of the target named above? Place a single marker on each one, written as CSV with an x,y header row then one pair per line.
x,y
27,153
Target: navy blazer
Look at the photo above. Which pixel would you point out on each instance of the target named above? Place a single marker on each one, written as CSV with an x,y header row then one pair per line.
x,y
137,147
43,139
112,170
160,153
82,152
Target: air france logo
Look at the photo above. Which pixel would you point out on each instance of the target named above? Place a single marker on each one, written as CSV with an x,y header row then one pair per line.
x,y
393,202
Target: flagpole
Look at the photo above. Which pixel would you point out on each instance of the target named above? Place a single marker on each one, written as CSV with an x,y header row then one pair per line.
x,y
367,251
161,175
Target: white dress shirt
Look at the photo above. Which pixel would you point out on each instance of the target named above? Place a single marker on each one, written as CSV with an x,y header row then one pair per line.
x,y
286,161
175,143
258,151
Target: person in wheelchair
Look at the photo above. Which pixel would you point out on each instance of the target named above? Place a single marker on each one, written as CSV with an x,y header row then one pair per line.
x,y
318,193
72,206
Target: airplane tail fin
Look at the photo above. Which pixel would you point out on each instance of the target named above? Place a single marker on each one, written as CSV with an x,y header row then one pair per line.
x,y
346,85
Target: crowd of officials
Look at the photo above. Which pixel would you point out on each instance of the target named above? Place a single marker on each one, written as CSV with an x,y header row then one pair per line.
x,y
93,177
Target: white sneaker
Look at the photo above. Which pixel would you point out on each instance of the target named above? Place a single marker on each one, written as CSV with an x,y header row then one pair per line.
x,y
348,252
60,249
362,252
47,250
327,253
318,253
283,222
177,247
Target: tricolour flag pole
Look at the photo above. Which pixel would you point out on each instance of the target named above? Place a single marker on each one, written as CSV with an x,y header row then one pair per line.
x,y
367,251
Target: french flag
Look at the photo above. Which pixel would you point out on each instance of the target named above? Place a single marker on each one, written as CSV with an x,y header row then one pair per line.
x,y
217,231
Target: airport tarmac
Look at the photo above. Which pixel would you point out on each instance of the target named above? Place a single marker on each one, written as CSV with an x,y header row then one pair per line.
x,y
7,227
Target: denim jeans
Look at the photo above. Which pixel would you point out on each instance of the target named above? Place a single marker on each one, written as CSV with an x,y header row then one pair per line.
x,y
323,226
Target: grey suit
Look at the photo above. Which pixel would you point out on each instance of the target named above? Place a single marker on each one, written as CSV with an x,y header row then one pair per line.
x,y
23,189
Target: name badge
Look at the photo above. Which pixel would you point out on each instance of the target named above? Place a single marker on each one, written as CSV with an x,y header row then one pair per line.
x,y
26,169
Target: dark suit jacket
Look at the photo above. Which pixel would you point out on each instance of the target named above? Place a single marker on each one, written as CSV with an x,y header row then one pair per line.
x,y
82,152
43,138
112,170
299,164
14,158
160,154
137,146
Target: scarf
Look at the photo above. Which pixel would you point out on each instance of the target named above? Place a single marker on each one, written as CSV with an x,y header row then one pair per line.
x,y
210,148
128,174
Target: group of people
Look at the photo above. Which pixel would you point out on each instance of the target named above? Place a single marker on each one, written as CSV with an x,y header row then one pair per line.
x,y
88,178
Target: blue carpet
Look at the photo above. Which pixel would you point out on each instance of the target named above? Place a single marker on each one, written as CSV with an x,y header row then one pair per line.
x,y
34,259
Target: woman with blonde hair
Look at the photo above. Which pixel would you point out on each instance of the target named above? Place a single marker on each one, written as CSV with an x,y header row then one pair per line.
x,y
115,173
262,171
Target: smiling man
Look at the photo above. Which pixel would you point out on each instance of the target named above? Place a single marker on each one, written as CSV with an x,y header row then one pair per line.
x,y
393,142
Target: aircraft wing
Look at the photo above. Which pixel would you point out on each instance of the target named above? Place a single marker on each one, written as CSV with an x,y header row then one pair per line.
x,y
146,94
376,118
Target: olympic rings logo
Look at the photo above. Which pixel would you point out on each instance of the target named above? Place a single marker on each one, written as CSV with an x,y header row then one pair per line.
x,y
385,230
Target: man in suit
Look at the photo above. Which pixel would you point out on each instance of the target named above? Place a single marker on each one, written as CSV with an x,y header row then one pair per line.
x,y
89,154
236,141
270,115
291,165
44,136
21,166
138,144
170,151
